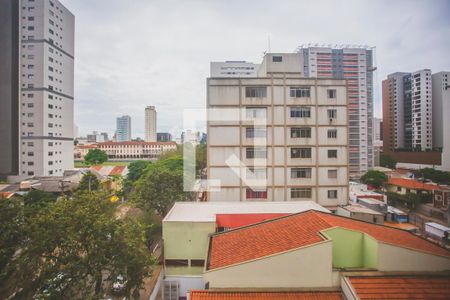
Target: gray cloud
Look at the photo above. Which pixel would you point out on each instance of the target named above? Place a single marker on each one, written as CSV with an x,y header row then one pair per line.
x,y
130,54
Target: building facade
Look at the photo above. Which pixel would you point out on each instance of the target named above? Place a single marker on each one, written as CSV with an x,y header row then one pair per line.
x,y
233,69
123,129
163,137
150,124
441,115
278,136
356,65
39,92
136,150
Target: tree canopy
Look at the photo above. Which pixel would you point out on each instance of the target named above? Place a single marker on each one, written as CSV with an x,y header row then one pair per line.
x,y
387,161
437,176
374,178
95,157
70,249
89,182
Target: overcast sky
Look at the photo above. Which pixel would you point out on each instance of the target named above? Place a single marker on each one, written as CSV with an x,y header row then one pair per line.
x,y
130,54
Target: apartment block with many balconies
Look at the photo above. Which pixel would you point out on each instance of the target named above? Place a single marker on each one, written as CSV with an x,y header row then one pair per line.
x,y
278,136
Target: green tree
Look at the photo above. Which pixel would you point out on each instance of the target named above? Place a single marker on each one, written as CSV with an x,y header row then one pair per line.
x,y
387,161
74,249
437,176
89,182
200,157
136,168
374,178
95,157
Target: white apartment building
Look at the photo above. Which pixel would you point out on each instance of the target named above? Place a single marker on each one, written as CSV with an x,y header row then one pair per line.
x,y
135,150
150,124
278,136
422,110
441,115
46,78
355,64
233,69
123,128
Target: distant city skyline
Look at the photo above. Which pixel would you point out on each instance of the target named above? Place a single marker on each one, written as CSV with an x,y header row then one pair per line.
x,y
171,67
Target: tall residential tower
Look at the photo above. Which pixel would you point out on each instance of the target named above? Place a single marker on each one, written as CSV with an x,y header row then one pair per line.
x,y
123,129
356,65
150,124
36,87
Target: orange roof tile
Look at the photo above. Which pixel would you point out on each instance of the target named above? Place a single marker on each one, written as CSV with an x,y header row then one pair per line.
x,y
402,287
297,230
413,184
230,295
117,170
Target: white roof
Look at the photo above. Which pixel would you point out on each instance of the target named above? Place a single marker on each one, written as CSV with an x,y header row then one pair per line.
x,y
361,209
438,226
206,211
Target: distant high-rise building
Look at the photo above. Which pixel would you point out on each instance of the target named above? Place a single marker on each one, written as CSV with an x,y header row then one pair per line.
x,y
441,115
164,137
233,69
104,136
278,136
356,65
123,129
150,124
36,88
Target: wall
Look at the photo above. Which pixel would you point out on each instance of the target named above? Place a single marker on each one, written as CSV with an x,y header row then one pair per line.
x,y
186,240
393,258
306,267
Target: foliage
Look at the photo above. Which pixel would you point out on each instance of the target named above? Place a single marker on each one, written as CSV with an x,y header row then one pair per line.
x,y
36,200
200,157
409,200
136,168
89,182
387,161
71,249
437,176
161,185
95,157
374,178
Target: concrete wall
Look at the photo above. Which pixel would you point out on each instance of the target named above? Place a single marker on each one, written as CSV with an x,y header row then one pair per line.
x,y
393,258
302,268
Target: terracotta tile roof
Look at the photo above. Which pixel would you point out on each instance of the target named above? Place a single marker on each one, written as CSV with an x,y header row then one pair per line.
x,y
132,143
402,287
226,295
117,170
413,184
297,230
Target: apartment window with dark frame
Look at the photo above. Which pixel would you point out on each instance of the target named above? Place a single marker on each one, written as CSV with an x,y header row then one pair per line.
x,y
300,152
256,112
331,94
255,132
277,58
256,173
300,132
176,262
255,91
300,112
197,262
332,113
332,174
300,92
332,194
332,153
255,194
300,173
332,133
301,193
256,152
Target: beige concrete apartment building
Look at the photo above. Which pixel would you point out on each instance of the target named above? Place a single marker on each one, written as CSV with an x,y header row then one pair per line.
x,y
278,136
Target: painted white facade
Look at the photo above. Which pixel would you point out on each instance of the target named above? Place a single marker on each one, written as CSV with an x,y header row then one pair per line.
x,y
293,121
150,124
233,69
422,112
46,84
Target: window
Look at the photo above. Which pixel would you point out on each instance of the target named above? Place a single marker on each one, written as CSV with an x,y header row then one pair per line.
x,y
30,67
30,173
252,132
30,47
31,28
50,153
30,124
30,105
30,153
300,92
277,58
300,112
50,163
255,112
300,152
301,173
176,262
332,194
256,194
256,173
197,262
30,95
301,192
256,152
332,153
30,18
332,133
30,76
331,94
301,132
332,113
30,144
332,174
256,91
30,56
30,163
